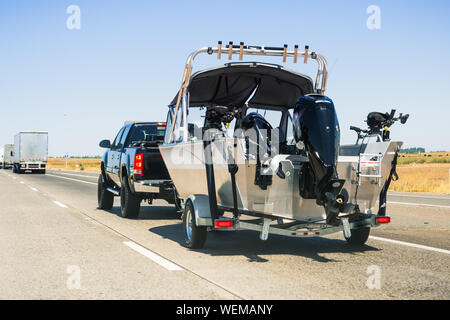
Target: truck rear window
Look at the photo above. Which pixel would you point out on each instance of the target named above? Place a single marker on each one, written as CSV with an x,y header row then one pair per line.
x,y
141,133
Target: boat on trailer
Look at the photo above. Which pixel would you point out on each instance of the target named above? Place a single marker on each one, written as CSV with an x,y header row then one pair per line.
x,y
286,174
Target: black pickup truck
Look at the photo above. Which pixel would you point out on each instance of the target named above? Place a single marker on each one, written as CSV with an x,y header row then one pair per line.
x,y
132,168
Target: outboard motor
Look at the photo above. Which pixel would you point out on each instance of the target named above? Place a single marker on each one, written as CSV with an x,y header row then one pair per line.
x,y
317,126
259,136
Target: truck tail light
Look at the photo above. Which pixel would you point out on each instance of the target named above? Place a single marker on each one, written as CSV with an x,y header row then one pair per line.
x,y
138,169
383,219
223,223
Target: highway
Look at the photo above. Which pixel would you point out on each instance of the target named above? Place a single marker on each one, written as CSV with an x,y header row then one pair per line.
x,y
55,244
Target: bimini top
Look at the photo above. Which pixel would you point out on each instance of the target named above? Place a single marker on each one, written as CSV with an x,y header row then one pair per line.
x,y
233,84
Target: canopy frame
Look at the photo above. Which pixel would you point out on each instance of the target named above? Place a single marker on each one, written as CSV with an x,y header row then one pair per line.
x,y
241,50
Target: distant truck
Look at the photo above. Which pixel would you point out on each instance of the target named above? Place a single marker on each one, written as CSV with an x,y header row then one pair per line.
x,y
30,151
133,168
6,156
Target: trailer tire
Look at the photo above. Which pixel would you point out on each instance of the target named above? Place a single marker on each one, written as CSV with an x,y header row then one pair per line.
x,y
130,204
358,236
195,236
105,198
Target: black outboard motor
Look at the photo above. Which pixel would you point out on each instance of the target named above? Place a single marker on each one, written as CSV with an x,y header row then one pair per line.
x,y
259,137
317,126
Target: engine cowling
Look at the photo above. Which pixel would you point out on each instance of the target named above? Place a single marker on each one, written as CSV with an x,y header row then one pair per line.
x,y
317,126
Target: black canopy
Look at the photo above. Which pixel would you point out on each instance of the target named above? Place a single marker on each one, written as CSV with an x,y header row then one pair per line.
x,y
233,84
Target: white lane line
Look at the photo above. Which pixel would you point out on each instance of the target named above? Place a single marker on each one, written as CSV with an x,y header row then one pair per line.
x,y
62,205
153,256
403,243
78,175
417,196
22,182
52,175
34,189
419,204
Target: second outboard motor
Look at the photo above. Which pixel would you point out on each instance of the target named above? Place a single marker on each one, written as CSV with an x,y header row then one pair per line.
x,y
317,126
260,137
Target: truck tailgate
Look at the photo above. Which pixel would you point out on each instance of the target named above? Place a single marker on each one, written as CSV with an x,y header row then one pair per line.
x,y
154,167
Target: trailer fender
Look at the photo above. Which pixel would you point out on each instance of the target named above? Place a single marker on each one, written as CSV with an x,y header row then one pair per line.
x,y
201,209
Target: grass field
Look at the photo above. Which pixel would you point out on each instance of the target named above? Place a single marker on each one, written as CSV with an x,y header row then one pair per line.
x,y
428,172
426,177
421,158
74,164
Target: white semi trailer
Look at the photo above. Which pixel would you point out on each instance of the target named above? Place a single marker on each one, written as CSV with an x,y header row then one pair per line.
x,y
30,151
6,154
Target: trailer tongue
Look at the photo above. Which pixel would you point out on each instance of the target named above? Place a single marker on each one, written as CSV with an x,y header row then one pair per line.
x,y
288,170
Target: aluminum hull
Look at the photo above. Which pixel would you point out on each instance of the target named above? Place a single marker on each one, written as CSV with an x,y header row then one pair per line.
x,y
185,163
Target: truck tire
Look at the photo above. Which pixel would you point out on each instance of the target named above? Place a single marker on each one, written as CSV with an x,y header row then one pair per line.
x,y
130,204
104,197
195,236
358,236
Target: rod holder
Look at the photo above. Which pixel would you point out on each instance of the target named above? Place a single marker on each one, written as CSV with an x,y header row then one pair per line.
x,y
285,52
241,50
219,49
295,53
306,54
230,50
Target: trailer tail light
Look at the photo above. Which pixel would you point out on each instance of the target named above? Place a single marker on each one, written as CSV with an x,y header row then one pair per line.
x,y
138,169
383,219
223,223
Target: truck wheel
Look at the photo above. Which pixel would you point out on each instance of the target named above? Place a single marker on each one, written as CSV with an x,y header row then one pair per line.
x,y
129,202
359,236
104,197
195,235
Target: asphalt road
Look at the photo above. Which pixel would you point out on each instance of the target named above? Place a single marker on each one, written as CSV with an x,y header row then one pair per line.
x,y
56,244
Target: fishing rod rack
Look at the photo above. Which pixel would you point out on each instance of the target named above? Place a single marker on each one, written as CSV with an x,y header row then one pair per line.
x,y
241,50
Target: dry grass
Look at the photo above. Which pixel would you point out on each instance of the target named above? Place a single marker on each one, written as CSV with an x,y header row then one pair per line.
x,y
426,177
74,164
419,158
423,172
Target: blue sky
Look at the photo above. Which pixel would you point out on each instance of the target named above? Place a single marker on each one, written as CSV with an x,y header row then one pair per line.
x,y
126,61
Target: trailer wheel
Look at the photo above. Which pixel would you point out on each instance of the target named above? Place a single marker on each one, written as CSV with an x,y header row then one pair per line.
x,y
358,236
130,204
104,197
195,235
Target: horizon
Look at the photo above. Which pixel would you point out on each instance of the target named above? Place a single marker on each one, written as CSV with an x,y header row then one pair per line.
x,y
126,61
